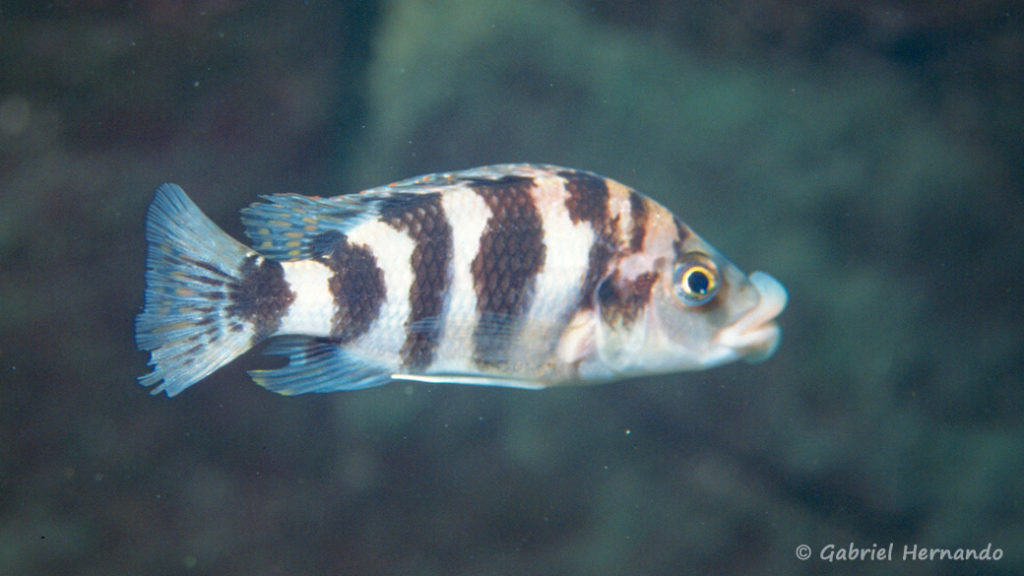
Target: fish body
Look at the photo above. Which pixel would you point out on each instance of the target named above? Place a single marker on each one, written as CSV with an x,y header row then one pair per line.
x,y
514,275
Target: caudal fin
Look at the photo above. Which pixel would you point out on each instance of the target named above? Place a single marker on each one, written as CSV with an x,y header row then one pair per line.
x,y
191,268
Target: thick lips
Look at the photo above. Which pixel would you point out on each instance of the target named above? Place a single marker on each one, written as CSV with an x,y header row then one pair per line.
x,y
755,336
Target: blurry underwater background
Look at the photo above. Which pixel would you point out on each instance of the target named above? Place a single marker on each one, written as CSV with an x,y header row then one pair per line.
x,y
867,153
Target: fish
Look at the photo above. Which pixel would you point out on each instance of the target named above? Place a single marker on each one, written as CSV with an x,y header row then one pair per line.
x,y
517,275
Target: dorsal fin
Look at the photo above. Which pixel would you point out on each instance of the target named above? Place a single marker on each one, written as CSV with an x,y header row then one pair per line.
x,y
283,226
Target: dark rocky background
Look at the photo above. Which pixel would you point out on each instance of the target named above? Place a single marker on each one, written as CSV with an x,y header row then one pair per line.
x,y
867,153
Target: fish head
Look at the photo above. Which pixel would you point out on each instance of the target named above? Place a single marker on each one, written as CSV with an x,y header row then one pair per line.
x,y
701,311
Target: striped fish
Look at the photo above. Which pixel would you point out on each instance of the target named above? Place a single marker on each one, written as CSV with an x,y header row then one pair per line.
x,y
513,275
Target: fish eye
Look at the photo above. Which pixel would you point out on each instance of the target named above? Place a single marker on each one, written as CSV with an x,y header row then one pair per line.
x,y
696,279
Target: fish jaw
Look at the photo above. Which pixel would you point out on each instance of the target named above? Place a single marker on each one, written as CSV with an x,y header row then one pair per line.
x,y
755,336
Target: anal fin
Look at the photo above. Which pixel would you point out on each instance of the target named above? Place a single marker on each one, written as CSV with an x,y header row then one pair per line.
x,y
316,365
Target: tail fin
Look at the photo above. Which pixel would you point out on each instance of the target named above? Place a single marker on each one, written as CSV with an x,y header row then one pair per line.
x,y
190,266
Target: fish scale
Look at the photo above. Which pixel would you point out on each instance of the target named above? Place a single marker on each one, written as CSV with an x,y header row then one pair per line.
x,y
516,275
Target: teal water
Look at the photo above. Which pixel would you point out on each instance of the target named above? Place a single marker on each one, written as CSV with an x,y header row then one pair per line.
x,y
866,154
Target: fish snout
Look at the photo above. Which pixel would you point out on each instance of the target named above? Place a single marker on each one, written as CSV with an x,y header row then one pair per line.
x,y
755,335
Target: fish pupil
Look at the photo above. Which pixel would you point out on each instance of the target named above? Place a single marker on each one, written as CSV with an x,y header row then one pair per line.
x,y
698,282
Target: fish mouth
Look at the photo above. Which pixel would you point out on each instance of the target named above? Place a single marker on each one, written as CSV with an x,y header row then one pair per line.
x,y
755,336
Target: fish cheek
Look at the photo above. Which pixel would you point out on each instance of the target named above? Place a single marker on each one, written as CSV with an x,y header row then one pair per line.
x,y
689,328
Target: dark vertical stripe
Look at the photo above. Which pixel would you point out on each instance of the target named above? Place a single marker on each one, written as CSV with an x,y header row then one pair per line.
x,y
423,218
357,284
597,268
260,295
587,201
587,198
638,215
511,255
